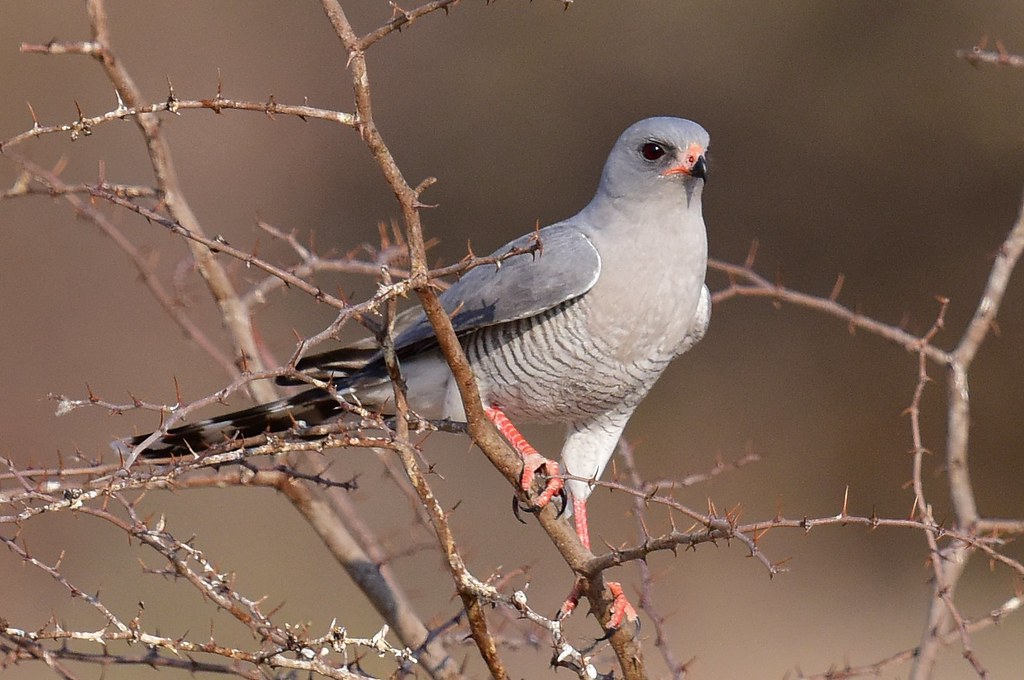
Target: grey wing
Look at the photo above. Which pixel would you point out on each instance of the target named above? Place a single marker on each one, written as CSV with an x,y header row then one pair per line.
x,y
565,266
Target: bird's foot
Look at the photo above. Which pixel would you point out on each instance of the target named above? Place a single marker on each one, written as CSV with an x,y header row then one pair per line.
x,y
553,486
570,602
621,610
533,463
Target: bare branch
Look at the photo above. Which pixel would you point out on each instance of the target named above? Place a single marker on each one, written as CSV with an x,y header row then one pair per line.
x,y
236,319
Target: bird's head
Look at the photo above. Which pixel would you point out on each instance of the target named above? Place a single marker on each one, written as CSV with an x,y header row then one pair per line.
x,y
654,154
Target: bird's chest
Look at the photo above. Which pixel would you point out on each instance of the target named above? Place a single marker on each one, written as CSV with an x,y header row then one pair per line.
x,y
645,301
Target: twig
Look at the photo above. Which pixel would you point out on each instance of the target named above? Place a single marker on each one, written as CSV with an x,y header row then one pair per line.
x,y
403,18
999,57
233,313
955,558
647,600
85,125
745,282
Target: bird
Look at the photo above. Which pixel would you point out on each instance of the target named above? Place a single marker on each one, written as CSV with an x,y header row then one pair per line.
x,y
575,331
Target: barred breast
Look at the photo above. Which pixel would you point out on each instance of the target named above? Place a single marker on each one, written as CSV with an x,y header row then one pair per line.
x,y
551,368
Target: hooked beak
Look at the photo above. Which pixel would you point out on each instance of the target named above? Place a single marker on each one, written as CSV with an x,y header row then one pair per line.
x,y
693,164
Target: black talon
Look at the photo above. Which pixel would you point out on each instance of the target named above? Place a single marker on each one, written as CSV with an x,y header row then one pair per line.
x,y
608,632
518,506
565,502
515,509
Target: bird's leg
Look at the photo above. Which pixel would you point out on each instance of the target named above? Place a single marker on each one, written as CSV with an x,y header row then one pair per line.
x,y
532,461
622,610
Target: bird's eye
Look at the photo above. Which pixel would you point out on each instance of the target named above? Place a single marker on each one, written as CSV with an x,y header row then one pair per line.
x,y
652,151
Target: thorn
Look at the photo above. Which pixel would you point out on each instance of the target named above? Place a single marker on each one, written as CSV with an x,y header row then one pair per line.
x,y
458,308
172,101
1004,55
644,529
537,244
733,515
79,128
838,287
36,128
757,536
751,254
121,110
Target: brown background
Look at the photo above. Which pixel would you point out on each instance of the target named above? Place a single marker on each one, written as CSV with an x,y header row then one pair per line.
x,y
846,137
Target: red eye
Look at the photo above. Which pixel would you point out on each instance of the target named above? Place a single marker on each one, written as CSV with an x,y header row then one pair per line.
x,y
652,151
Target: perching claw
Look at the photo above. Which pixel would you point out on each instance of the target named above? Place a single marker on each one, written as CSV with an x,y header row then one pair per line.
x,y
564,497
515,509
608,632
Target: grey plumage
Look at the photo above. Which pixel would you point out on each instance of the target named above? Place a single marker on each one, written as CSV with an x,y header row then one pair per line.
x,y
574,334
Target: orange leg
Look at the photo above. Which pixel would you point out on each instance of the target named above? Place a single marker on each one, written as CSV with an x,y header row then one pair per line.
x,y
622,610
532,461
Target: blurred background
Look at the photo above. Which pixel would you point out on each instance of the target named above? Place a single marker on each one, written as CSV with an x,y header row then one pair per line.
x,y
846,138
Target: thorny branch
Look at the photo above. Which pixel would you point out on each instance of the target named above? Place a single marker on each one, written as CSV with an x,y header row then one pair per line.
x,y
236,320
744,281
1000,56
83,126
